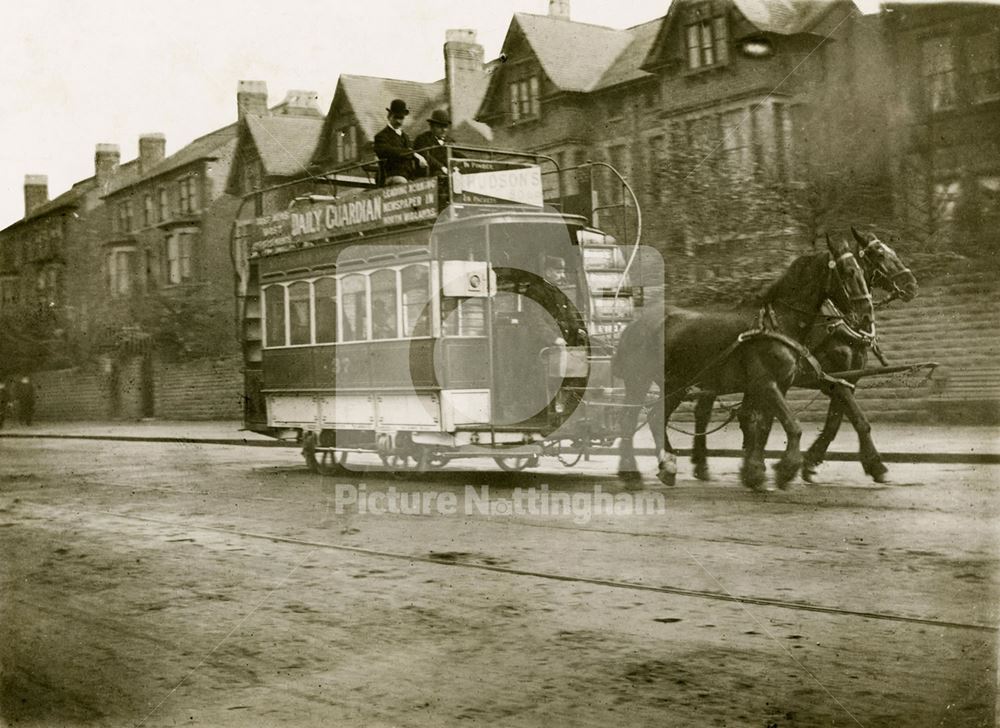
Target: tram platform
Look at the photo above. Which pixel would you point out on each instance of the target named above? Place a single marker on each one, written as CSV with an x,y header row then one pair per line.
x,y
897,442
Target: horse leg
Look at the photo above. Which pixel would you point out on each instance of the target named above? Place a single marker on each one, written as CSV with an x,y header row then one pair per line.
x,y
666,457
634,397
816,453
871,460
699,451
753,474
788,467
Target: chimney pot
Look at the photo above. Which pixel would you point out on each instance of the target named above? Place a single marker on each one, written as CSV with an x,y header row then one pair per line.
x,y
559,9
465,79
251,99
36,192
152,150
301,103
106,159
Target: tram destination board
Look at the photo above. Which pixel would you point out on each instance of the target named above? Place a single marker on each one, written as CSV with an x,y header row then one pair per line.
x,y
495,182
310,220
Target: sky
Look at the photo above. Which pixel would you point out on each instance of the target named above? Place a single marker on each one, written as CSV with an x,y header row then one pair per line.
x,y
77,73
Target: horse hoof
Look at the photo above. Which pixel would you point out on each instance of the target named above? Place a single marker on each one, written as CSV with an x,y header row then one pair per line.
x,y
629,476
753,477
809,475
878,472
667,477
701,471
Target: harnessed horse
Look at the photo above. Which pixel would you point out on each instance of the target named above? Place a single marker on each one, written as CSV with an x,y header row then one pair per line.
x,y
839,344
755,351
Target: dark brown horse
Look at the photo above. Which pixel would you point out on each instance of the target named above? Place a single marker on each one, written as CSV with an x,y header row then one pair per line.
x,y
686,353
840,344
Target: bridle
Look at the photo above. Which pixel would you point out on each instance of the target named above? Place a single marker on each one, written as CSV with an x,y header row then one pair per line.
x,y
864,296
878,272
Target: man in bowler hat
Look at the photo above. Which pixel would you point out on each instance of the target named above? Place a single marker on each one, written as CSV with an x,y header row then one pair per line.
x,y
397,160
433,141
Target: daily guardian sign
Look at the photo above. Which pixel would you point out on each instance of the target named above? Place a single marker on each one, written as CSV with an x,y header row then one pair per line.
x,y
318,219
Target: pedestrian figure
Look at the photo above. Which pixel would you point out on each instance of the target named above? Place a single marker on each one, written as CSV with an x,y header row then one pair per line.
x,y
26,401
433,141
4,403
397,160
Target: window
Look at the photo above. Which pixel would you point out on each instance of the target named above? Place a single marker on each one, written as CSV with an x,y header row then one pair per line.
x,y
179,246
707,39
125,217
385,323
946,197
299,318
120,262
735,129
325,301
274,316
983,53
524,99
938,70
346,143
147,210
463,316
164,204
416,296
354,300
189,195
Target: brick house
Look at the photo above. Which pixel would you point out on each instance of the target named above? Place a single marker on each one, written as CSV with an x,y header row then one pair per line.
x,y
716,113
948,176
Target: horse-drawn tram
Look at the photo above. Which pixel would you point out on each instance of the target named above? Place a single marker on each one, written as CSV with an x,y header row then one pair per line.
x,y
443,318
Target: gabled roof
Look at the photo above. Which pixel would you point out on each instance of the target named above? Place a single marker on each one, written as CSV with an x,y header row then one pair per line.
x,y
780,17
209,146
68,199
626,67
784,17
285,143
370,95
573,55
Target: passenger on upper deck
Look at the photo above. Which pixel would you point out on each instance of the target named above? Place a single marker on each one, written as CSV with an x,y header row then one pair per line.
x,y
433,141
398,163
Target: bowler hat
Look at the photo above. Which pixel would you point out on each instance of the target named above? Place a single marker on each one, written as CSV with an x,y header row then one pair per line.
x,y
440,116
398,106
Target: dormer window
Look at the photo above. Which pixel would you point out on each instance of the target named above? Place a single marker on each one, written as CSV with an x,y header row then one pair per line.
x,y
346,144
706,37
525,101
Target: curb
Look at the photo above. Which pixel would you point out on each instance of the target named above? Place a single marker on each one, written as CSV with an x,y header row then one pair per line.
x,y
940,458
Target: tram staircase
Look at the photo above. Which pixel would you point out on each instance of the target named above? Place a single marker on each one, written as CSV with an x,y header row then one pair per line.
x,y
954,321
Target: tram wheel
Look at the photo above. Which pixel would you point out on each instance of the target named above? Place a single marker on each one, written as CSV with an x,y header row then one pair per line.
x,y
515,463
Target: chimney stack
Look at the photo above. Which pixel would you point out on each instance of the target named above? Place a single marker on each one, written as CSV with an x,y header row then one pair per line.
x,y
152,150
36,192
559,9
106,160
463,72
301,103
251,99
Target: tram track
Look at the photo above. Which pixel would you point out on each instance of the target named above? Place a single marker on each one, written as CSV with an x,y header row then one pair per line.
x,y
707,595
912,457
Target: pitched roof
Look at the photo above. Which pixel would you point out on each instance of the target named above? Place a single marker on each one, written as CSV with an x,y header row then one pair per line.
x,y
626,67
573,55
208,146
285,143
784,17
370,95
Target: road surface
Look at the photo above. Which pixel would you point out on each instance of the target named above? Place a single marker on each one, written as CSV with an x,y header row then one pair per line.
x,y
164,584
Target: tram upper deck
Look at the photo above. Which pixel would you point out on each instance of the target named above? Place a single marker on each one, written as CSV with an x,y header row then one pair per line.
x,y
401,308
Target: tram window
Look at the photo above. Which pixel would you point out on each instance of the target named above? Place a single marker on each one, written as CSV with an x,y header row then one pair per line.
x,y
384,321
298,313
463,316
415,298
274,311
355,308
325,291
